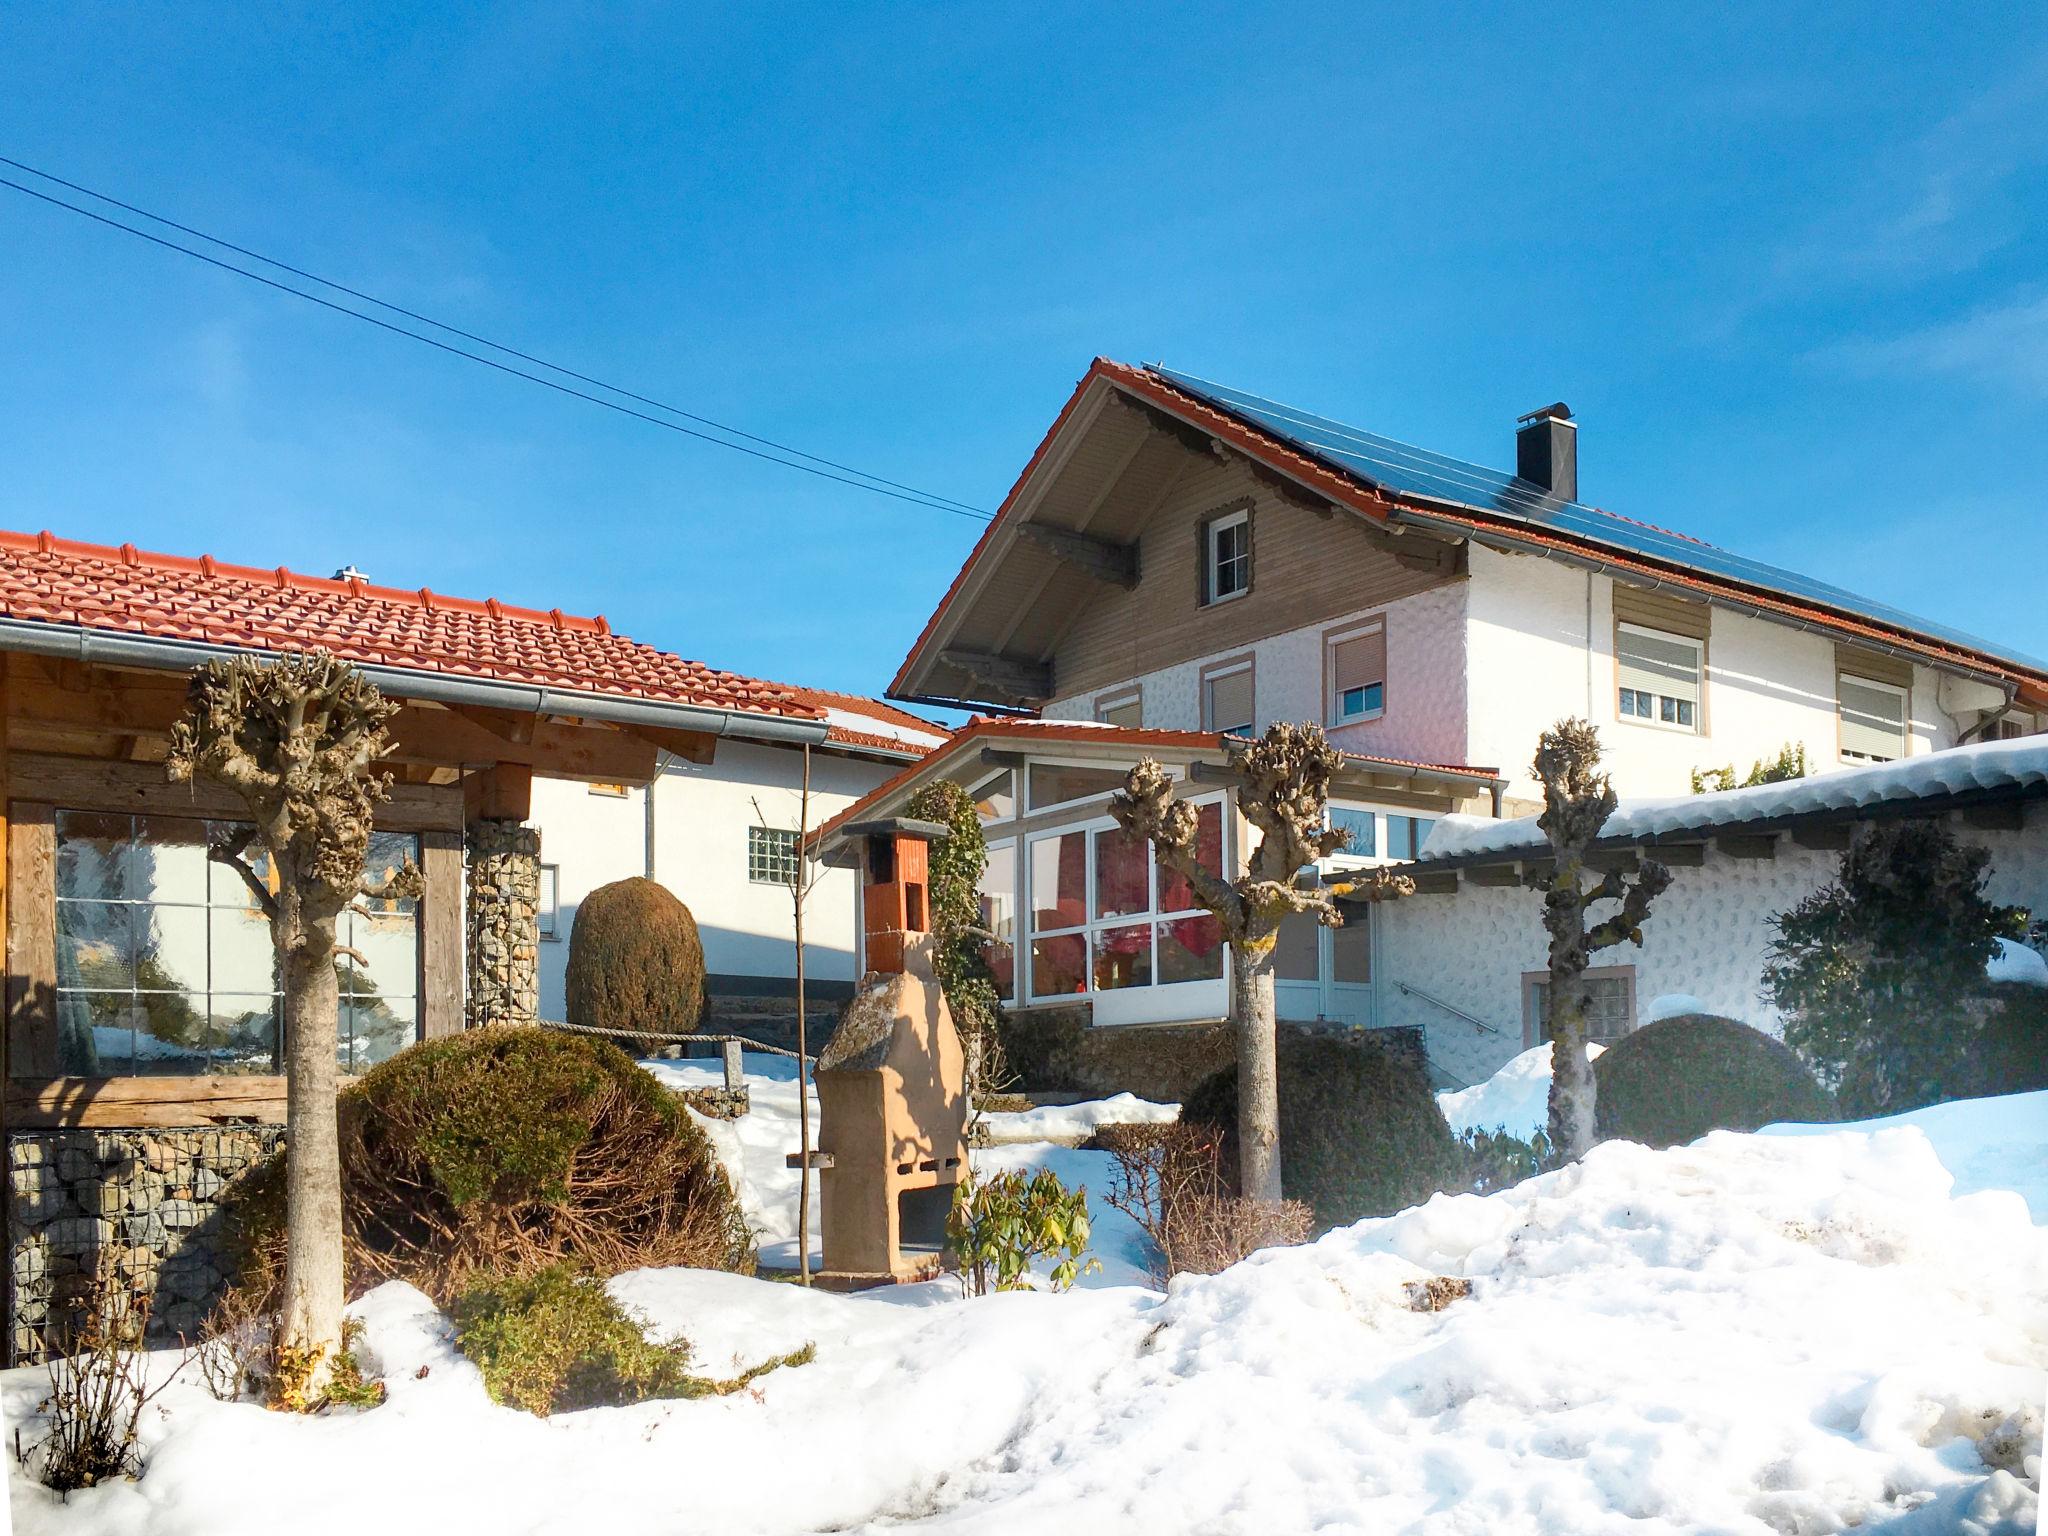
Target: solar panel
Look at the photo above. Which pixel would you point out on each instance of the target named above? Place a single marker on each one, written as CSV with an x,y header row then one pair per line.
x,y
1401,467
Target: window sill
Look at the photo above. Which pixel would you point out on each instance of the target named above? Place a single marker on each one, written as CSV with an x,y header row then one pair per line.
x,y
1366,719
1668,728
1228,597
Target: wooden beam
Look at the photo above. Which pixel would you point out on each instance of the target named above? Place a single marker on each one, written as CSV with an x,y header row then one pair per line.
x,y
690,746
100,784
48,1102
1494,875
1824,836
514,726
2008,816
560,749
502,792
31,939
1676,855
1744,845
1436,882
1106,561
1014,675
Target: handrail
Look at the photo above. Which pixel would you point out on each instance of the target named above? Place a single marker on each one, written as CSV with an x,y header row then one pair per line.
x,y
1403,986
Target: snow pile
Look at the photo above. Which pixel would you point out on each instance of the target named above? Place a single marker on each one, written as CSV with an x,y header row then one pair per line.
x,y
1985,1144
1515,1099
1673,1005
2016,962
1751,1334
1988,765
1072,1124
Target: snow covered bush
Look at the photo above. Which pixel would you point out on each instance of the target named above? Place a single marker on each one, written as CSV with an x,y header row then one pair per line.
x,y
554,1341
635,962
1677,1079
999,1224
1360,1131
504,1150
1880,975
1169,1180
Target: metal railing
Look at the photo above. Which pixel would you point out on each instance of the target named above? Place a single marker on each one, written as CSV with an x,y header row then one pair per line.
x,y
1437,1002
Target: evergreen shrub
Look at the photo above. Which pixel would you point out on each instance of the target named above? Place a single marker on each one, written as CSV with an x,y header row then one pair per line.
x,y
1673,1081
635,963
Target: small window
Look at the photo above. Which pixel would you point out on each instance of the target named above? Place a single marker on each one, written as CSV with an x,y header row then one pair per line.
x,y
1610,1005
550,883
1126,709
1058,783
609,791
995,798
1355,663
771,855
1659,676
1363,826
1873,717
1227,700
1407,834
2010,728
1228,559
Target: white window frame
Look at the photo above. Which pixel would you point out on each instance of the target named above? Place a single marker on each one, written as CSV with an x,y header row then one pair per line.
x,y
1699,708
548,916
974,789
1020,938
1905,698
1209,675
1333,706
1029,933
1212,559
1381,817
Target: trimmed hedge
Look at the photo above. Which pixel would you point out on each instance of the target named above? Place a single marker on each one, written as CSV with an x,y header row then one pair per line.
x,y
635,962
1360,1131
1673,1081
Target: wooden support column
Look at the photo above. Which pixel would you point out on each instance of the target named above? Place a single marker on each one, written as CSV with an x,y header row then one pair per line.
x,y
32,940
441,920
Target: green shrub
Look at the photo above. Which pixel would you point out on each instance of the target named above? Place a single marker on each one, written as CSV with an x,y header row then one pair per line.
x,y
959,950
1673,1081
999,1224
503,1151
555,1341
1494,1160
1880,975
1790,763
1360,1131
2011,1051
635,962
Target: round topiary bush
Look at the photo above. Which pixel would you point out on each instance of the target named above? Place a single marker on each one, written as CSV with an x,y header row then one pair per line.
x,y
635,962
1672,1081
502,1151
1360,1131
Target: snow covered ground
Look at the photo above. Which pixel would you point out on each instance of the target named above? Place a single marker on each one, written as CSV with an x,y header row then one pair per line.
x,y
1794,1331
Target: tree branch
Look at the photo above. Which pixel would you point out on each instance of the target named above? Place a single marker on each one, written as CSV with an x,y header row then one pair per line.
x,y
1145,807
228,851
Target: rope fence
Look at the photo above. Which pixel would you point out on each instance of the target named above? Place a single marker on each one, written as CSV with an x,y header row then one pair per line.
x,y
648,1034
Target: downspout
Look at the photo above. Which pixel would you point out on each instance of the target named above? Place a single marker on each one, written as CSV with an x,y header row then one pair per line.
x,y
660,767
2012,693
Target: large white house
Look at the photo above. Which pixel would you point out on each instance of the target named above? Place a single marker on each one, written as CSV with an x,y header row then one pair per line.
x,y
1181,564
722,836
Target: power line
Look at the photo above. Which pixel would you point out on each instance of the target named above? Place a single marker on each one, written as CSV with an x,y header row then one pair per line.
x,y
846,474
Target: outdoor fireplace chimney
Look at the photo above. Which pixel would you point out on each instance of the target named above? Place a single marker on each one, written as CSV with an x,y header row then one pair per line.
x,y
1547,450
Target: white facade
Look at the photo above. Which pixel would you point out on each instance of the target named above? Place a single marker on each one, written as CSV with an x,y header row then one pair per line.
x,y
698,841
1707,937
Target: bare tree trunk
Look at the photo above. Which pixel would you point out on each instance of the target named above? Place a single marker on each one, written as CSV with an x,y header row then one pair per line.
x,y
803,1046
1258,1076
313,1252
1571,1070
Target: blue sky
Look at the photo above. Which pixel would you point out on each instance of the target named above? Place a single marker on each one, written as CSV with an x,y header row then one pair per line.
x,y
1790,276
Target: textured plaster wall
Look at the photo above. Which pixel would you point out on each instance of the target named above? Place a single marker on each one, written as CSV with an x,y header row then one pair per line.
x,y
702,813
1707,937
1767,684
1425,714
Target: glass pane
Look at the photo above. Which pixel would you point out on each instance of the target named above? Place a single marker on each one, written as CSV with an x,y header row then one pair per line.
x,y
1363,827
1191,949
1059,881
1175,894
1053,783
169,860
1351,948
77,1052
1295,954
243,958
92,854
171,949
999,915
110,1022
170,1034
1123,957
1059,966
388,852
95,945
374,1030
390,943
996,799
1122,874
243,1033
225,888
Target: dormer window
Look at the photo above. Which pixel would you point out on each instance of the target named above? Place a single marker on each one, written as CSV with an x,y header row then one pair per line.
x,y
1227,565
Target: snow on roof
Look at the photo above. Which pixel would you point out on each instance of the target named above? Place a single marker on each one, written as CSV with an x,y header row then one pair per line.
x,y
879,725
1992,765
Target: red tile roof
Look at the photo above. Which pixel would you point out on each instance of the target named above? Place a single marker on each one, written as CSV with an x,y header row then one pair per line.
x,y
170,597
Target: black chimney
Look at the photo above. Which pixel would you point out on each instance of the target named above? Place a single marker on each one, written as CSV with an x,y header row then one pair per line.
x,y
1547,450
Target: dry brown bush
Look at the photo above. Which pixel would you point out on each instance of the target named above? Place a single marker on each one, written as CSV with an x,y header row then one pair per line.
x,y
1169,1179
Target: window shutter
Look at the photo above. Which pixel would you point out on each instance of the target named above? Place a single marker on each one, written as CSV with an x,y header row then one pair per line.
x,y
1873,719
1230,701
1358,662
1127,711
1654,664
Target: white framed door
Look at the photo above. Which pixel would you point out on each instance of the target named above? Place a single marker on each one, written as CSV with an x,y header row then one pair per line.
x,y
1326,973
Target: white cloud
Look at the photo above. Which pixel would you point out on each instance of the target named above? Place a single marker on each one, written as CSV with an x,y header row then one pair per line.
x,y
2004,345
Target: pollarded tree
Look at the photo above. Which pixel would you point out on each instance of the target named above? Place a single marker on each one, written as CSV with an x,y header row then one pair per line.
x,y
1577,800
1283,790
296,739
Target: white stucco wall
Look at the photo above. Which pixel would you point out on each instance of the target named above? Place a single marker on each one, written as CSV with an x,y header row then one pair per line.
x,y
702,813
1766,683
1426,706
1707,936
